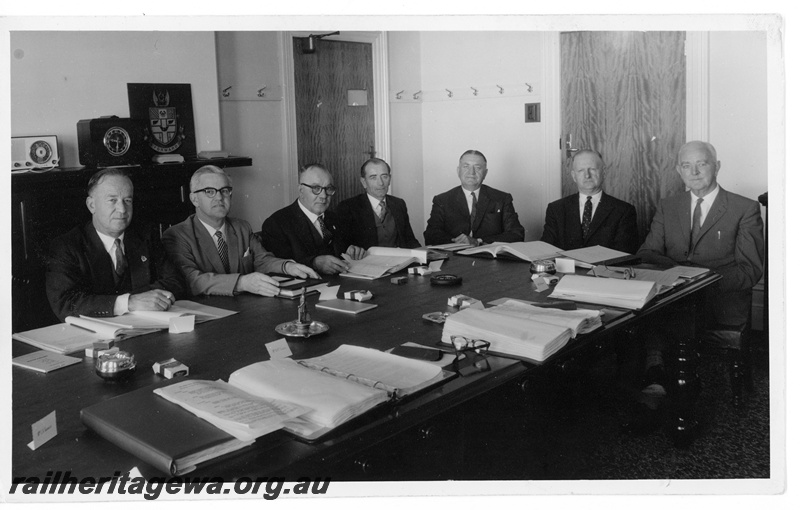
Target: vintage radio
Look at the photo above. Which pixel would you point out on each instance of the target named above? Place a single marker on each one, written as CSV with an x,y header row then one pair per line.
x,y
34,152
112,141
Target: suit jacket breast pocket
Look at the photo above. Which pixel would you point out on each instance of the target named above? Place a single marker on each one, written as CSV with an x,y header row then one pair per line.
x,y
247,264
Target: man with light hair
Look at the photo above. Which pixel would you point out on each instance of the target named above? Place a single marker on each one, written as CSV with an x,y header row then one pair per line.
x,y
219,254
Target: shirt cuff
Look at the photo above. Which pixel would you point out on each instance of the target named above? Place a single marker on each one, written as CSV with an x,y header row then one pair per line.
x,y
121,304
285,263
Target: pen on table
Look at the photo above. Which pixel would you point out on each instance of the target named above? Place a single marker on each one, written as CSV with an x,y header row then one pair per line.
x,y
718,235
85,329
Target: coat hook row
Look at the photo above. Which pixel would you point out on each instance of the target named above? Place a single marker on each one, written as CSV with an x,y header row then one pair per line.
x,y
451,93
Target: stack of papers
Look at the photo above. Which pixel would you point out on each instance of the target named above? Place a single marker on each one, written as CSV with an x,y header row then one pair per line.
x,y
578,321
381,261
529,252
509,334
630,294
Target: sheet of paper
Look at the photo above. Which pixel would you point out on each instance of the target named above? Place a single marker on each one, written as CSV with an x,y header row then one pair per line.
x,y
44,361
541,284
278,349
327,293
181,324
230,408
43,431
594,254
436,265
566,266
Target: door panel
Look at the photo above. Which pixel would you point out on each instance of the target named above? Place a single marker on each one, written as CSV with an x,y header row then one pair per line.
x,y
624,95
329,131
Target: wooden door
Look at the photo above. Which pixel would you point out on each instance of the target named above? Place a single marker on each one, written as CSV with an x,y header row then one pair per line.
x,y
331,131
624,95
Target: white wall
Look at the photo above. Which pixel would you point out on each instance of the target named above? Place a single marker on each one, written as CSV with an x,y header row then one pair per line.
x,y
489,121
59,78
738,109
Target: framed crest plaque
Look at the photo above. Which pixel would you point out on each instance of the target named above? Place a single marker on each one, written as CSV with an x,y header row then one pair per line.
x,y
167,109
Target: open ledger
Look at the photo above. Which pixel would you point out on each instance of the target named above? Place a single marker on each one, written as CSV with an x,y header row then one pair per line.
x,y
313,396
529,252
382,261
630,294
521,330
78,333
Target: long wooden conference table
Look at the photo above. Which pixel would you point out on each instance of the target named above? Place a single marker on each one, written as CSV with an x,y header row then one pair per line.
x,y
442,433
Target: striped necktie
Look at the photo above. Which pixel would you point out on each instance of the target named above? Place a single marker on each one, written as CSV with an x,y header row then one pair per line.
x,y
587,217
326,234
222,248
382,210
473,213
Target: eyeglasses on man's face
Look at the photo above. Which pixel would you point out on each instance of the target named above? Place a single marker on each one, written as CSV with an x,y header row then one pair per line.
x,y
317,189
212,192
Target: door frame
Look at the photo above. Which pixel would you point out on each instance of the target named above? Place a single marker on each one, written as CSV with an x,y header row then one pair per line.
x,y
380,85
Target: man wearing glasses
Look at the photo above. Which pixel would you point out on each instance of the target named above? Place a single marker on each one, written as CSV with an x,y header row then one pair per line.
x,y
305,230
218,254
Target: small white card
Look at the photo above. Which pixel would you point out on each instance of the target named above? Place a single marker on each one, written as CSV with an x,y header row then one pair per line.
x,y
436,265
278,349
135,473
327,293
540,283
566,266
43,431
183,324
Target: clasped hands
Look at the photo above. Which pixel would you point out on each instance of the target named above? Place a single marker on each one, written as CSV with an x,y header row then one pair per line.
x,y
152,300
330,264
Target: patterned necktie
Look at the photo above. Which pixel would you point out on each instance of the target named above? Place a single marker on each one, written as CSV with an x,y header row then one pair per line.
x,y
473,213
222,248
695,224
326,234
587,217
382,209
121,261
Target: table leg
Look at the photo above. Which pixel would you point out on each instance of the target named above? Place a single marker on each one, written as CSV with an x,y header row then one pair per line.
x,y
686,383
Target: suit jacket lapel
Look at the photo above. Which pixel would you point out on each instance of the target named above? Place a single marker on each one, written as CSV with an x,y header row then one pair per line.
x,y
685,216
716,213
302,223
600,215
368,218
207,245
98,258
483,206
233,246
572,221
136,254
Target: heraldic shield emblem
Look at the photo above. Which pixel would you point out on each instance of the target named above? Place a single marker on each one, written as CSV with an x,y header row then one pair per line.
x,y
168,110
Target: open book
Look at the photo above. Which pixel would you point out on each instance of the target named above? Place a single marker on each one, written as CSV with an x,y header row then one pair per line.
x,y
630,294
337,386
521,330
381,261
530,251
141,319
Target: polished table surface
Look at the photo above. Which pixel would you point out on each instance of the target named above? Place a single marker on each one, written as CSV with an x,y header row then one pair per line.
x,y
217,348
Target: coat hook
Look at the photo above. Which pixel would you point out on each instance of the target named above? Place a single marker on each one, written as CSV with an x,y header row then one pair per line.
x,y
226,91
449,93
474,91
417,94
399,95
261,91
501,88
530,89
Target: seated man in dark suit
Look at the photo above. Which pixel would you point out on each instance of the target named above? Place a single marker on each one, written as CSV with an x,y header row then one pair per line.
x,y
305,230
104,268
472,213
708,227
590,217
218,254
375,218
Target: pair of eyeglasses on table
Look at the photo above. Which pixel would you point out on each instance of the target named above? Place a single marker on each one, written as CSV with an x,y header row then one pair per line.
x,y
470,355
626,273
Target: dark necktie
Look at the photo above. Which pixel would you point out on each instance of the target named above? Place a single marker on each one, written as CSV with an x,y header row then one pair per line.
x,y
382,209
695,224
222,248
326,234
473,213
587,217
121,261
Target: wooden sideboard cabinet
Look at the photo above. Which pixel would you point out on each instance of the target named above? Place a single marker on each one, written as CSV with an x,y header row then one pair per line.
x,y
45,205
